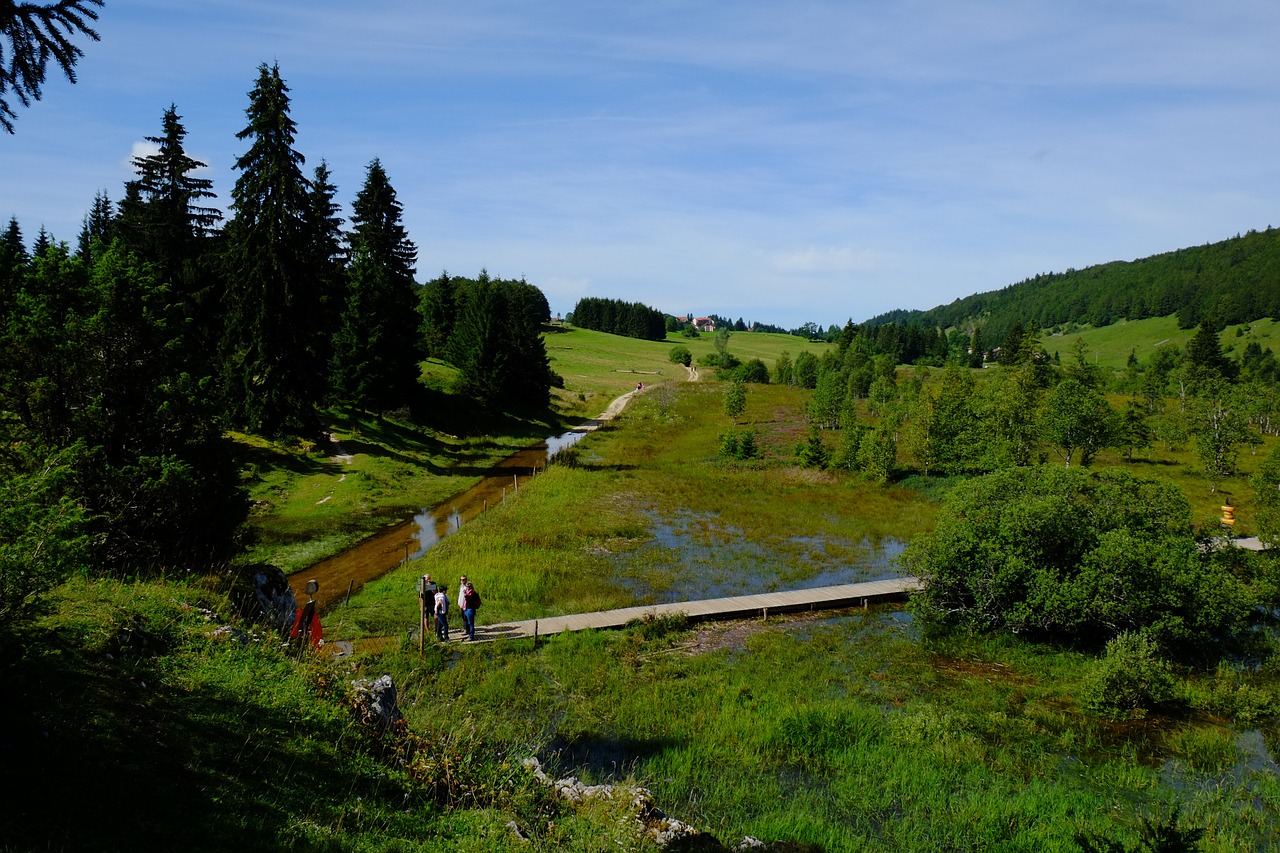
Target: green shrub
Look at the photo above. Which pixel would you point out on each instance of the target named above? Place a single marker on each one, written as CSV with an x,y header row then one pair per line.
x,y
653,627
752,370
566,457
1161,834
1129,680
739,445
1072,556
812,453
1231,696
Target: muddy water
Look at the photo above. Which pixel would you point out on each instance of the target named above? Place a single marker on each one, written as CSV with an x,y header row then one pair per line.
x,y
345,573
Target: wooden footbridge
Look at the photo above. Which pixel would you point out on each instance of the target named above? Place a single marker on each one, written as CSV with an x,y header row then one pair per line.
x,y
736,607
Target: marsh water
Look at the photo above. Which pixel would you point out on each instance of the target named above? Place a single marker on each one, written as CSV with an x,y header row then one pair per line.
x,y
344,573
691,555
695,556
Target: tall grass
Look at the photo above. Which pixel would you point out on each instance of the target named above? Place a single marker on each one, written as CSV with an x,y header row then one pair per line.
x,y
847,732
580,539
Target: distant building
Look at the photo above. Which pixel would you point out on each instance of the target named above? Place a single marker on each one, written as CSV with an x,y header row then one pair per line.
x,y
704,324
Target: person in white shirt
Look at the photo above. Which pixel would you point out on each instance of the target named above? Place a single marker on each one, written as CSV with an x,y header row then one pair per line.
x,y
442,615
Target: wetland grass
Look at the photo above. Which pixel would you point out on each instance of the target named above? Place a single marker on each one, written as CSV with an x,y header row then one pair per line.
x,y
860,736
579,539
849,731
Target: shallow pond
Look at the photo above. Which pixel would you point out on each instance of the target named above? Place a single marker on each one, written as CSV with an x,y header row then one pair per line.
x,y
691,556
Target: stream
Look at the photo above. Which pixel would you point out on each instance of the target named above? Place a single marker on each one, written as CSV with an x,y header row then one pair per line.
x,y
343,574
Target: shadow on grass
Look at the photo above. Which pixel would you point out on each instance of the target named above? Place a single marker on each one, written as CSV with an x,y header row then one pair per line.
x,y
111,757
616,468
269,458
603,758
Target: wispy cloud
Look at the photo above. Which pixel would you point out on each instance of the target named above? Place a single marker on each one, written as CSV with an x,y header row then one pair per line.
x,y
809,161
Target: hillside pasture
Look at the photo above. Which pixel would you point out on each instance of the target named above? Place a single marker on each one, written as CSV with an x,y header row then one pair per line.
x,y
1110,346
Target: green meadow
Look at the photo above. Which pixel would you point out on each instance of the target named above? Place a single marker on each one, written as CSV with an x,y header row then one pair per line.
x,y
312,501
847,731
582,537
1110,346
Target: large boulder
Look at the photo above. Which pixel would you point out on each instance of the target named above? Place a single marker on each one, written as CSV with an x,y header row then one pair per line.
x,y
268,598
376,701
260,595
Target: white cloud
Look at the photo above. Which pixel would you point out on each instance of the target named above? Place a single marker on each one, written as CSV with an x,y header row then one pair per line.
x,y
141,148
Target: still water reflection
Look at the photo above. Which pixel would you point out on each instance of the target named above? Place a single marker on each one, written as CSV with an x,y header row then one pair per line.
x,y
410,539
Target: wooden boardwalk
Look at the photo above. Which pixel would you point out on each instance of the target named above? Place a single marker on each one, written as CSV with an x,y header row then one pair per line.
x,y
737,607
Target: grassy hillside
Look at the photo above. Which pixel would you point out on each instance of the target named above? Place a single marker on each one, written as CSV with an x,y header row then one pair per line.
x,y
600,366
1109,346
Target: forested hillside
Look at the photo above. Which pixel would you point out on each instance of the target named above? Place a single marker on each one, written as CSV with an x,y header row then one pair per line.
x,y
1233,281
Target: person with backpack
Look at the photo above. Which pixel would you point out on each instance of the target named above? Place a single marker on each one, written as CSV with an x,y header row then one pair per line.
x,y
471,603
442,614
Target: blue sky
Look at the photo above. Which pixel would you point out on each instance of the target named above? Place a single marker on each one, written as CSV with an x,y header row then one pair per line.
x,y
780,162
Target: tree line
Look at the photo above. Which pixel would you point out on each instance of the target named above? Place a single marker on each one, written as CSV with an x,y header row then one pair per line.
x,y
127,357
629,319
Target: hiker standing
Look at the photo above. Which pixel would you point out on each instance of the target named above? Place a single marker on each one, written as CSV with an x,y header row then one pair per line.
x,y
426,603
441,611
471,603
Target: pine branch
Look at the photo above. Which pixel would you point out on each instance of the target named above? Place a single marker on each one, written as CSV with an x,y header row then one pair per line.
x,y
30,36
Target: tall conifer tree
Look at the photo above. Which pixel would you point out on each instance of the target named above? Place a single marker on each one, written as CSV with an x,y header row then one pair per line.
x,y
328,258
273,372
377,350
165,220
13,262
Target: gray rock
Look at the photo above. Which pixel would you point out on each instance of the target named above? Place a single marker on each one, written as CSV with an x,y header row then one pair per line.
x,y
275,600
377,700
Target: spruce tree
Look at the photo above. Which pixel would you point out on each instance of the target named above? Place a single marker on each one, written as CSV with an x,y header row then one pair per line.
x,y
97,227
164,220
438,304
162,215
530,378
377,349
13,262
31,34
44,241
478,345
975,348
328,258
1205,359
273,373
